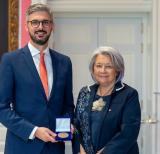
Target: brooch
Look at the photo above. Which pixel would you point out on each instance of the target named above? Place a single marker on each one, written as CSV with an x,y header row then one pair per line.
x,y
98,105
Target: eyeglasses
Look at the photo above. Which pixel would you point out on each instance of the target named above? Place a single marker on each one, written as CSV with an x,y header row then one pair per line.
x,y
105,66
36,23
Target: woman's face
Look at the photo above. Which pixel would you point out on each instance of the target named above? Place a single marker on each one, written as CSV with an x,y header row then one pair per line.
x,y
103,70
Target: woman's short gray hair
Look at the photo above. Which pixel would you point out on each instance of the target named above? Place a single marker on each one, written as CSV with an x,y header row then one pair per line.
x,y
116,58
39,7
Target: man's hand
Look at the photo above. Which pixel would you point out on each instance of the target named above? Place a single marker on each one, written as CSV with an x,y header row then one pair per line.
x,y
45,134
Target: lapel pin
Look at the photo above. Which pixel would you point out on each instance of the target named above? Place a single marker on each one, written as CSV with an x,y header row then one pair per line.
x,y
109,110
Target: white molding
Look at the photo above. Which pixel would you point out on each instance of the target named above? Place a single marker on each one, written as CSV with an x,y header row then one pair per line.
x,y
100,6
156,73
38,1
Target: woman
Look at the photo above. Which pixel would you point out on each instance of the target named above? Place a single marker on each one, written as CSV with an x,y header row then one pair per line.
x,y
107,116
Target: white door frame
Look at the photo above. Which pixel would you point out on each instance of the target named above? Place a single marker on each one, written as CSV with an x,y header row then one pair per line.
x,y
146,88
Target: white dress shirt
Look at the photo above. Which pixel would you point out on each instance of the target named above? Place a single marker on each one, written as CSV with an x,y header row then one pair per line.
x,y
48,62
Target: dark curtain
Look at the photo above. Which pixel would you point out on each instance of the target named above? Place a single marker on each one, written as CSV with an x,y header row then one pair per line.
x,y
3,26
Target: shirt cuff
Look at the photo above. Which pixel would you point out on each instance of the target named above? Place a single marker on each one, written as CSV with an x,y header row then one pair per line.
x,y
32,135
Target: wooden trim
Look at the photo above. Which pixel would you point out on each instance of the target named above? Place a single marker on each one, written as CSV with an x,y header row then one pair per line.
x,y
13,19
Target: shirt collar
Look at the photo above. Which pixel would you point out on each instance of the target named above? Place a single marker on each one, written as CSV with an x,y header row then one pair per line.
x,y
34,51
118,86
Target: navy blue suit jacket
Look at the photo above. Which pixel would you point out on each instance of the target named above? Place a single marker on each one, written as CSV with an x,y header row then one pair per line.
x,y
23,103
120,121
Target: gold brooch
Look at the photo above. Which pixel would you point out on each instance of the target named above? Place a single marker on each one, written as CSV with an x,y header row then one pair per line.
x,y
98,105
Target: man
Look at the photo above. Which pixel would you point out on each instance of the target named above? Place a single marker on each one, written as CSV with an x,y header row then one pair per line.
x,y
35,88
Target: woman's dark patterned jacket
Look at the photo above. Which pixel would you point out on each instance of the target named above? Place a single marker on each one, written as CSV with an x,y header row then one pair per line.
x,y
121,121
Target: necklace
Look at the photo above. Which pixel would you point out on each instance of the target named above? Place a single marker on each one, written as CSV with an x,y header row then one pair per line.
x,y
107,92
99,104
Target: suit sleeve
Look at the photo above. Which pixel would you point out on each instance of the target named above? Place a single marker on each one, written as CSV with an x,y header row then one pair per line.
x,y
131,117
8,116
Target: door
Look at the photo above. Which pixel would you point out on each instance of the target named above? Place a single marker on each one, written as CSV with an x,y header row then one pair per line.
x,y
79,36
125,35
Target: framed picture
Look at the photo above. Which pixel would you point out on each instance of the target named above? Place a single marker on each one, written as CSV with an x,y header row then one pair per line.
x,y
13,20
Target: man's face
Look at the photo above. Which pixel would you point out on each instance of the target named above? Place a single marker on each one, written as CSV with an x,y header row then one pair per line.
x,y
39,26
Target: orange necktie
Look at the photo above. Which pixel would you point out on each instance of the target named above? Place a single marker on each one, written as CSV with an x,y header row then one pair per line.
x,y
43,73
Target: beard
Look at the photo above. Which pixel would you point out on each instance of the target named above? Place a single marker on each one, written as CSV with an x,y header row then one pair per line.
x,y
40,41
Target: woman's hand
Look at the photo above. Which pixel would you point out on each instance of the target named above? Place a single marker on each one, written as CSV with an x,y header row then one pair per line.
x,y
99,152
82,151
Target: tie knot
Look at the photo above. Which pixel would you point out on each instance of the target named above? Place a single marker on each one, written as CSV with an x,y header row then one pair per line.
x,y
42,53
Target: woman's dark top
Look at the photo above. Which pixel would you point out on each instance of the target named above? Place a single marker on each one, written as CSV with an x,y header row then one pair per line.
x,y
96,120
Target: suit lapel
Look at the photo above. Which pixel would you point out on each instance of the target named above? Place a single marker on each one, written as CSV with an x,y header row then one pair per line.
x,y
30,63
89,109
54,67
92,96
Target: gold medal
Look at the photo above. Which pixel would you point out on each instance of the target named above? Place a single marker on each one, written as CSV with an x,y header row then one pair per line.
x,y
63,135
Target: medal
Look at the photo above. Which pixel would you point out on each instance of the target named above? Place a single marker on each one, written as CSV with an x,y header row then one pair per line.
x,y
63,135
63,129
